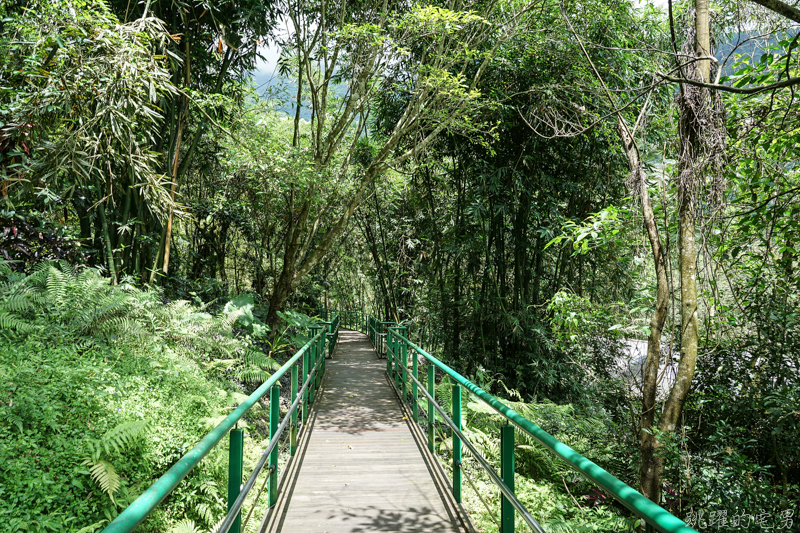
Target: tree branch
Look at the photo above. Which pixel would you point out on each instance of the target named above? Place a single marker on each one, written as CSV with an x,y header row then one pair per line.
x,y
736,90
790,12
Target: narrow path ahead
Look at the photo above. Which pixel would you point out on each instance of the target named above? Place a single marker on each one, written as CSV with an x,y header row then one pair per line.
x,y
359,468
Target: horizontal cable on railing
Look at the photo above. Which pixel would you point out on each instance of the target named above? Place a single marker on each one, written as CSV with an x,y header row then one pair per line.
x,y
137,511
480,496
237,505
261,490
651,513
507,492
464,470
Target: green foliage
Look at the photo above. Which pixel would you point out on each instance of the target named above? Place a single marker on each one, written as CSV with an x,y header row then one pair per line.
x,y
81,102
91,415
116,440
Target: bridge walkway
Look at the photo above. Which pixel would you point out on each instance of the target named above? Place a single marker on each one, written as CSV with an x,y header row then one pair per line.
x,y
360,468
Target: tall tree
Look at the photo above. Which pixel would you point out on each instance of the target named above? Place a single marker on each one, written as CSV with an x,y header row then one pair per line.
x,y
347,55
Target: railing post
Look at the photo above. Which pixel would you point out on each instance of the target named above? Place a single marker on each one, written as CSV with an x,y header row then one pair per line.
x,y
304,401
403,360
235,454
321,358
274,414
328,335
396,364
457,443
309,363
293,435
507,474
389,353
415,392
431,410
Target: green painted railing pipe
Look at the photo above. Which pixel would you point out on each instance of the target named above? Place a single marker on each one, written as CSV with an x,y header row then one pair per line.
x,y
403,333
274,419
431,409
456,442
414,392
507,473
306,369
293,431
235,464
318,334
137,511
389,354
659,518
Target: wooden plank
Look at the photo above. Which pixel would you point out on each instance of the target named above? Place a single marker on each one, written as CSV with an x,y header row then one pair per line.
x,y
359,467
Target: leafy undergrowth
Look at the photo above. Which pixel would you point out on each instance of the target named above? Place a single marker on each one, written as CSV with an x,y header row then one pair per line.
x,y
102,389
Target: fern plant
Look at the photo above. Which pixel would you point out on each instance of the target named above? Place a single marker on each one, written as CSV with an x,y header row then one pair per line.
x,y
254,367
186,526
80,300
116,440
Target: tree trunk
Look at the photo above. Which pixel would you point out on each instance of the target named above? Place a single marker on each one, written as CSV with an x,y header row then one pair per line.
x,y
173,186
690,164
651,467
101,211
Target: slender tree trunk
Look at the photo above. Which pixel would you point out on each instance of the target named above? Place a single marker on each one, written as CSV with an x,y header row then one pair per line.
x,y
101,211
158,256
691,165
173,186
299,98
651,467
373,248
702,39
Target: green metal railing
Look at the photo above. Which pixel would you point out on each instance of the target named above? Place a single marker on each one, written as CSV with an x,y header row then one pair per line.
x,y
400,351
310,360
378,331
332,334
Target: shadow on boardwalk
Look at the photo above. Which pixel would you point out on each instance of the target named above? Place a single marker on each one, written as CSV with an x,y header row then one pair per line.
x,y
360,468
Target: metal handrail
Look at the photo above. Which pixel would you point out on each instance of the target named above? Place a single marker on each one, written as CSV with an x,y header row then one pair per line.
x,y
233,512
654,515
531,521
136,512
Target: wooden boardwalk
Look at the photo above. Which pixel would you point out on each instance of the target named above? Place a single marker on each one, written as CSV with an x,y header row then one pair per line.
x,y
360,468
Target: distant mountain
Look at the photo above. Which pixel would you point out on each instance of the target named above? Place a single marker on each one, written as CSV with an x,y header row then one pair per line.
x,y
748,44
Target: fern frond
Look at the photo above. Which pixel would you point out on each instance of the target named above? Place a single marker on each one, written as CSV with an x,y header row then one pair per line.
x,y
5,267
17,301
209,488
123,435
85,343
262,360
218,525
227,322
187,526
252,374
105,475
206,513
68,269
56,287
9,321
13,419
